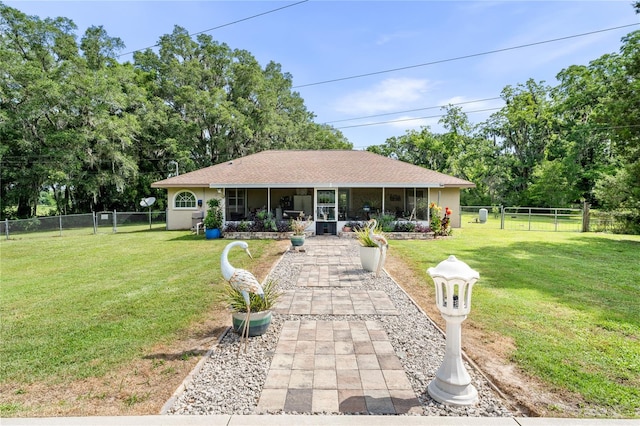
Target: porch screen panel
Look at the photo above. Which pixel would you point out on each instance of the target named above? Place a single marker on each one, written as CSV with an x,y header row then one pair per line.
x,y
416,199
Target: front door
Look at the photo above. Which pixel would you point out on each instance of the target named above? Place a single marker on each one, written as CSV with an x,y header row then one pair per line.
x,y
326,201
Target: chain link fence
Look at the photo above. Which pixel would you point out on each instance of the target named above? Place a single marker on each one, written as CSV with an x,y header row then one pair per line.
x,y
496,217
88,223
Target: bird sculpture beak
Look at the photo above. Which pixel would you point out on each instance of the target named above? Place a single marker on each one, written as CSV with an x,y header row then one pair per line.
x,y
249,253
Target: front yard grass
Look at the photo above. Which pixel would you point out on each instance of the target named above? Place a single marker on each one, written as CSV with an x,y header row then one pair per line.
x,y
570,302
78,307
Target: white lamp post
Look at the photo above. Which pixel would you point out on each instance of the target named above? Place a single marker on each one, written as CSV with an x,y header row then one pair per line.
x,y
454,280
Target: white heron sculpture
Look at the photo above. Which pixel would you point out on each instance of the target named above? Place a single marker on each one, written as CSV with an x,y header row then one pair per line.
x,y
381,242
243,281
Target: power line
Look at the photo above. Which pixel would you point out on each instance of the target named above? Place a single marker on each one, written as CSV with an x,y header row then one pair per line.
x,y
411,110
221,26
457,58
409,119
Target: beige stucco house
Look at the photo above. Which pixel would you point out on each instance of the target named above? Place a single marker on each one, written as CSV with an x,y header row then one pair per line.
x,y
333,187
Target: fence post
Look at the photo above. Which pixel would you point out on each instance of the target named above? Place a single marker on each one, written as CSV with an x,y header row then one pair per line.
x,y
6,227
555,219
60,224
529,218
115,222
95,223
501,216
585,217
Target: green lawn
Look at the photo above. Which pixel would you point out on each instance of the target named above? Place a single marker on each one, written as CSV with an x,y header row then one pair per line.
x,y
570,301
77,306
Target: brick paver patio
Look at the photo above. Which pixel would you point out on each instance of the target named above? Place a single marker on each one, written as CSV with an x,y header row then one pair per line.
x,y
335,302
335,365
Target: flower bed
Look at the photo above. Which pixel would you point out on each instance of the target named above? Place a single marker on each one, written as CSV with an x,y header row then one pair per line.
x,y
262,235
395,235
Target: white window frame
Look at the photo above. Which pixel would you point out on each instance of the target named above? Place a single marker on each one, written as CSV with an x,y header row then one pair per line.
x,y
182,191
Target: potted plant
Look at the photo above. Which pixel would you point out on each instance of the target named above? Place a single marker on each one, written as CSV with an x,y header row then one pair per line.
x,y
213,220
348,226
260,316
369,252
298,225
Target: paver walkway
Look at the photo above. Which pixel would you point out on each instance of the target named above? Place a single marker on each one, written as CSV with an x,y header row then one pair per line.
x,y
335,364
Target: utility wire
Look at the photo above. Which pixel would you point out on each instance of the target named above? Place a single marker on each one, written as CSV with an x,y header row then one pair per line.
x,y
411,110
221,26
457,58
377,123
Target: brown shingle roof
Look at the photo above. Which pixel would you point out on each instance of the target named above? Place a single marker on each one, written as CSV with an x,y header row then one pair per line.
x,y
331,168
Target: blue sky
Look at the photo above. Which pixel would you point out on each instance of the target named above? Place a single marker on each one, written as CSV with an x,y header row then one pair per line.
x,y
320,40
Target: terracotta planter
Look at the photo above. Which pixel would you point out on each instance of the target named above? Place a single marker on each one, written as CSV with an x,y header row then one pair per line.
x,y
369,258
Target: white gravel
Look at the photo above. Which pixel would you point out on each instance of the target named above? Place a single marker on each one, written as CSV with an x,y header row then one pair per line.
x,y
227,384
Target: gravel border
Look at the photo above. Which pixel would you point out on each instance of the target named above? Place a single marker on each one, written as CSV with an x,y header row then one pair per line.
x,y
229,384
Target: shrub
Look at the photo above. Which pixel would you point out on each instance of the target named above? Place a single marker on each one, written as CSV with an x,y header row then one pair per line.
x,y
234,299
214,219
422,228
386,222
284,226
364,238
264,222
231,227
405,227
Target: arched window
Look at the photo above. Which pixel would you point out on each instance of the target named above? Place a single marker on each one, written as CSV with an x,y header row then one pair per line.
x,y
185,200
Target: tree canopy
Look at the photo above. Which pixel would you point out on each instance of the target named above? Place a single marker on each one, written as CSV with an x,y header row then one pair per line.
x,y
96,133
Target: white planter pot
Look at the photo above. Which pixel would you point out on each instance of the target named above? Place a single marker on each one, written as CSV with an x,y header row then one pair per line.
x,y
369,257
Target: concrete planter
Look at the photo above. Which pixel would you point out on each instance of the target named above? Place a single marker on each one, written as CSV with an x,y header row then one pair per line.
x,y
369,257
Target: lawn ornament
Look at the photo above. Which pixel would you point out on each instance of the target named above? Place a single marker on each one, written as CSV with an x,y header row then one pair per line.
x,y
454,281
243,281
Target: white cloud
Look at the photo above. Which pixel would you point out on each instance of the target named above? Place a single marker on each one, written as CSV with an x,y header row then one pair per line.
x,y
400,35
454,100
389,95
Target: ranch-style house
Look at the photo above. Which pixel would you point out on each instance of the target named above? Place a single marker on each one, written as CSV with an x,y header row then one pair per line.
x,y
332,187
